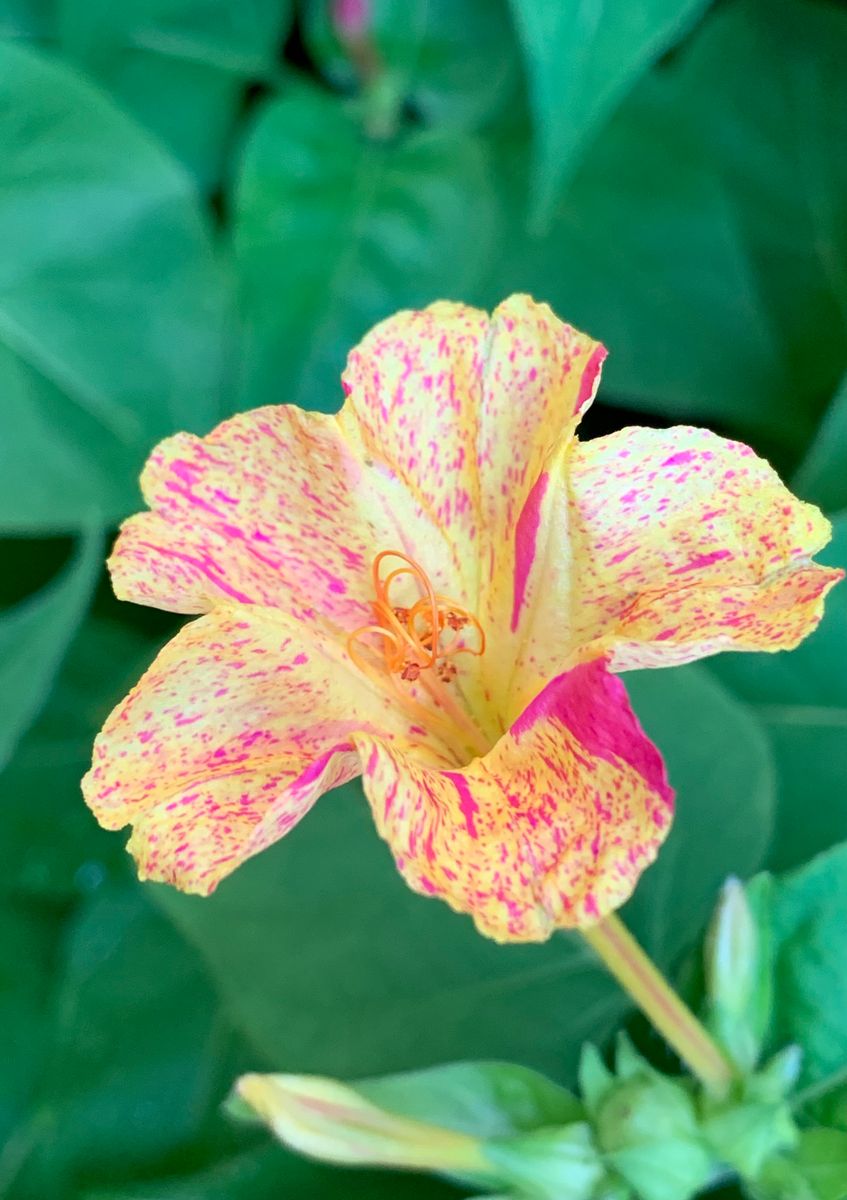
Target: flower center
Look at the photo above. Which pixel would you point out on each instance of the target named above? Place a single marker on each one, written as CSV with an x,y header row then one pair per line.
x,y
424,637
417,643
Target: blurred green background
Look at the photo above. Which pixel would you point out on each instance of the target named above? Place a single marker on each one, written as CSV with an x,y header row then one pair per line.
x,y
203,205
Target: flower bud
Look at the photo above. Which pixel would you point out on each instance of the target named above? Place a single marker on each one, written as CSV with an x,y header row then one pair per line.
x,y
351,17
647,1125
736,977
645,1109
332,1122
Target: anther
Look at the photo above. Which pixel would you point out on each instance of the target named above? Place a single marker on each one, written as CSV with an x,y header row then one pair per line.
x,y
412,636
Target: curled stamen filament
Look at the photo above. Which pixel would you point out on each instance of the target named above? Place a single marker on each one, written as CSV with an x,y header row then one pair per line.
x,y
418,644
413,637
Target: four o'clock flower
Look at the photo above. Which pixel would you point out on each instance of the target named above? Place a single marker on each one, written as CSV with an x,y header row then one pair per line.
x,y
435,589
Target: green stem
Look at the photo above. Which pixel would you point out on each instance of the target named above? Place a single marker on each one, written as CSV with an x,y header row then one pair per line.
x,y
638,975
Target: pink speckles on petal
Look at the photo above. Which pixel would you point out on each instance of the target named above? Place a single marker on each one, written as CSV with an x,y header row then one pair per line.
x,y
594,706
455,445
701,561
210,775
467,805
550,829
689,545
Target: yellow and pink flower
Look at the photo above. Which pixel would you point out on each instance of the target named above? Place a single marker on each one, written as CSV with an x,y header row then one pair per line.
x,y
435,589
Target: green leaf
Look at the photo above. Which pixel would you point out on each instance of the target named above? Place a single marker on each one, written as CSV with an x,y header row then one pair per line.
x,y
710,212
724,783
455,61
581,60
25,18
745,1135
27,950
803,912
549,1163
34,637
821,476
52,855
111,300
272,1173
140,1053
817,1170
334,232
52,851
670,1170
822,1159
179,67
488,1100
404,982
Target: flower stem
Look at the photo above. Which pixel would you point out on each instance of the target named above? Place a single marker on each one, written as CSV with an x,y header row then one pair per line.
x,y
639,976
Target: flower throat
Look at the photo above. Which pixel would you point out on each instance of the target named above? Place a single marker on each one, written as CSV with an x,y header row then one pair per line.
x,y
419,642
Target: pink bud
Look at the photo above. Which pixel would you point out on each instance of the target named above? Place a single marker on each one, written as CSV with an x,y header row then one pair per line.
x,y
351,17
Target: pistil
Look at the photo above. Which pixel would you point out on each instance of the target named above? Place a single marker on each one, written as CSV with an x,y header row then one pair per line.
x,y
419,643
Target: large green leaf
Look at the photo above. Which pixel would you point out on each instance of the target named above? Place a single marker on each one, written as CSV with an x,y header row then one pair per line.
x,y
111,300
329,964
703,238
455,61
52,854
140,1055
487,1100
334,232
179,66
822,475
52,851
580,60
725,803
815,1170
25,18
271,1173
34,637
801,698
803,914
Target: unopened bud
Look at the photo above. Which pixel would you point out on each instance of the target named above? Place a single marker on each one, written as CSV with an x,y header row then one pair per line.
x,y
351,17
332,1122
735,977
647,1125
645,1109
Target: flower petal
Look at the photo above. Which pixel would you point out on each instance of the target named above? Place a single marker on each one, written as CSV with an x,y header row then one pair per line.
x,y
448,418
271,508
243,720
462,410
551,829
462,413
686,544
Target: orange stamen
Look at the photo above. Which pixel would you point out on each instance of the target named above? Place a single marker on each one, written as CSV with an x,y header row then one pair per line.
x,y
413,636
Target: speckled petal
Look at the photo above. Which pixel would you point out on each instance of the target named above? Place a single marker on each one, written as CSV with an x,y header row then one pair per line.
x,y
461,414
243,720
551,829
462,409
685,544
271,508
448,418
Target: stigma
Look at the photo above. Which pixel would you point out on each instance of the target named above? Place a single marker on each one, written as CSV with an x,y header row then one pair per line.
x,y
419,639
